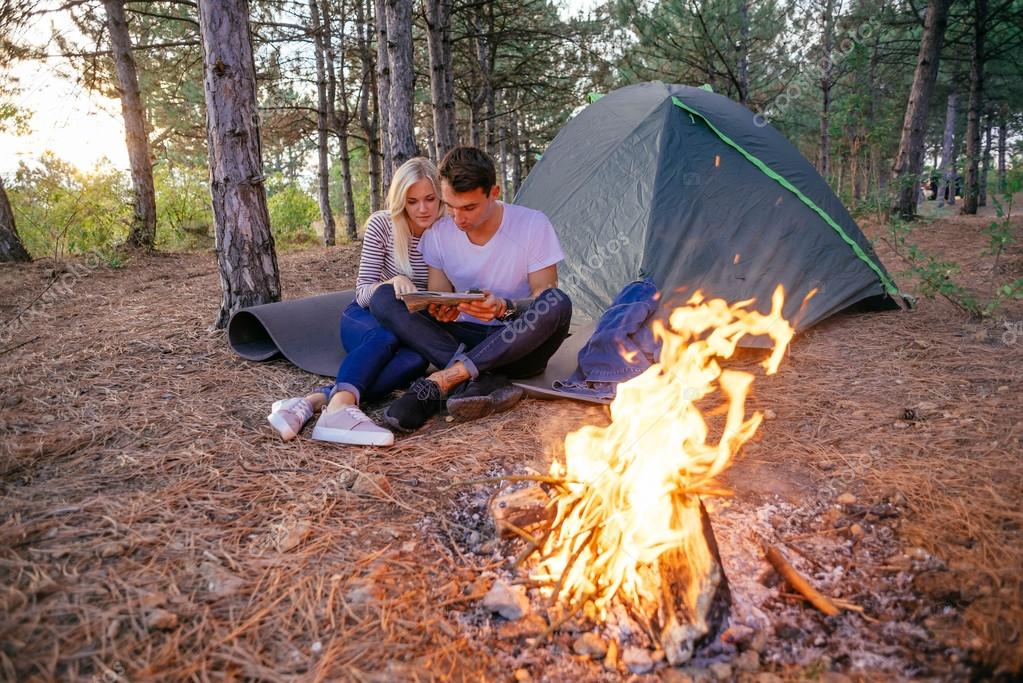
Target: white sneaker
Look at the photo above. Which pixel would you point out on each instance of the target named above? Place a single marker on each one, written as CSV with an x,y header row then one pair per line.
x,y
351,426
289,415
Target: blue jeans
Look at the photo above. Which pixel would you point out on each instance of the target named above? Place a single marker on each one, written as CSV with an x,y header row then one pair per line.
x,y
519,348
376,363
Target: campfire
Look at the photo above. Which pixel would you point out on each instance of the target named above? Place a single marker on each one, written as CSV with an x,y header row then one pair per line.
x,y
625,525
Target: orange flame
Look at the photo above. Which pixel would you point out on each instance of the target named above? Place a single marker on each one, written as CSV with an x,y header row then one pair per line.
x,y
628,481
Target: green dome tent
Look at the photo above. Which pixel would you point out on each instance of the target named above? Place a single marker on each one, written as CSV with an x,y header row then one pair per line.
x,y
695,191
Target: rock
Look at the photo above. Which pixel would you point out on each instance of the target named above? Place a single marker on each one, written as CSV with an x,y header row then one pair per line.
x,y
637,660
161,619
154,600
530,626
759,641
748,661
590,644
846,499
770,414
721,671
290,538
672,675
768,677
219,581
917,553
508,601
371,485
856,531
521,674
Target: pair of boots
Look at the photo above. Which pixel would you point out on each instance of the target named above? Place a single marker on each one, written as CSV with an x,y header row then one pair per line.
x,y
349,425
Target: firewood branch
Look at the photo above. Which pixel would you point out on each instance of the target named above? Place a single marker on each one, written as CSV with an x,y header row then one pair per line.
x,y
800,584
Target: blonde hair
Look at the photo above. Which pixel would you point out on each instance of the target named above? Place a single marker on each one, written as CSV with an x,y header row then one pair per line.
x,y
407,175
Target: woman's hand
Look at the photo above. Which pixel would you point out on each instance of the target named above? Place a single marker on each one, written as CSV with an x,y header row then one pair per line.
x,y
402,285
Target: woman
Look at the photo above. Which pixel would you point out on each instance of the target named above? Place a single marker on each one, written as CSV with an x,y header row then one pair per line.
x,y
376,363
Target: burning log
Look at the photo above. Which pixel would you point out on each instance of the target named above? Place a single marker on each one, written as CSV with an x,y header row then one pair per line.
x,y
523,509
694,604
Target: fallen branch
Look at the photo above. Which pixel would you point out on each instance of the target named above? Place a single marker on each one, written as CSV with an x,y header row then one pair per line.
x,y
796,580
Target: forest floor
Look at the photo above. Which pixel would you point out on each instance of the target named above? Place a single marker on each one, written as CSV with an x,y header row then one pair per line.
x,y
153,527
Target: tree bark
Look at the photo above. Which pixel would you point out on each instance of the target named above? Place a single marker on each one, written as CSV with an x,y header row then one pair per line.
x,y
909,161
947,166
339,121
143,225
438,24
742,48
383,93
985,163
246,256
971,183
826,83
11,247
322,138
368,110
516,151
1002,139
403,82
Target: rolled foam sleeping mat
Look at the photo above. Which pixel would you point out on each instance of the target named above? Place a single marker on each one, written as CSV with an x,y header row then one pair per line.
x,y
305,331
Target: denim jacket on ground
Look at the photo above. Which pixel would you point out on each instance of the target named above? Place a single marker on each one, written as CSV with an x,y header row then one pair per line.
x,y
622,345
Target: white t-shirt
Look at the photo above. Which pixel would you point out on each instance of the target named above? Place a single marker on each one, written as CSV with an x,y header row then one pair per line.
x,y
525,243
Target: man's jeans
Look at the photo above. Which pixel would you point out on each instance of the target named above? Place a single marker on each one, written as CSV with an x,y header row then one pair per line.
x,y
518,348
376,362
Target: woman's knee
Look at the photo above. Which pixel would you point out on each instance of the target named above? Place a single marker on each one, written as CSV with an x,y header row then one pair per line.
x,y
381,304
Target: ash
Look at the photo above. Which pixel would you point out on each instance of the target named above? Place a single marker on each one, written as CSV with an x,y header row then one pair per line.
x,y
848,551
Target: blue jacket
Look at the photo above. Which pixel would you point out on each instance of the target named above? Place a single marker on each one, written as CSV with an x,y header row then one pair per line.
x,y
622,345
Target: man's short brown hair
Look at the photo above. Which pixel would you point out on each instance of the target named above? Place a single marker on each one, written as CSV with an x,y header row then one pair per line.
x,y
466,168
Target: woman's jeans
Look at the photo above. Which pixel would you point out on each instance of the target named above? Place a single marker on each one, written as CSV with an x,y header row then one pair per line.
x,y
375,363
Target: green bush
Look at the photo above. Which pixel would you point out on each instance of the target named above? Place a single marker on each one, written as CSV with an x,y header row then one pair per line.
x,y
61,210
184,215
292,212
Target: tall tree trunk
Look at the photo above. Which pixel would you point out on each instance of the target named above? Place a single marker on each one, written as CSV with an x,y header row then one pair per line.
x,y
11,247
742,48
403,82
947,166
143,225
339,121
367,93
322,138
516,150
383,94
826,83
246,256
985,163
1002,139
971,184
909,161
438,24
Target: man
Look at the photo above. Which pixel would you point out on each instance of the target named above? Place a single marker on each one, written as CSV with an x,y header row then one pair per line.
x,y
511,254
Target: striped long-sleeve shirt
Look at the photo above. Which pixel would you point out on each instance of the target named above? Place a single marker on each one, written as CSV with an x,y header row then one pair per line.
x,y
377,263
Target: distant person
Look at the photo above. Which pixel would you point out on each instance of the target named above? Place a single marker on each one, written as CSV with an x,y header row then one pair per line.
x,y
376,362
510,253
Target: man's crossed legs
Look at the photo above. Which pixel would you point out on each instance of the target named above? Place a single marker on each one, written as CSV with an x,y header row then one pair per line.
x,y
473,357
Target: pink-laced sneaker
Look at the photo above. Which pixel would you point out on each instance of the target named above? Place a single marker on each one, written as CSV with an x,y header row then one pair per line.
x,y
289,415
351,426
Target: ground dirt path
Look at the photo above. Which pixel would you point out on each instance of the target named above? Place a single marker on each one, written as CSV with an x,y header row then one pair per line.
x,y
152,527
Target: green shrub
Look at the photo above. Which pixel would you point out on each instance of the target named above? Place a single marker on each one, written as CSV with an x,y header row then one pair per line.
x,y
62,210
292,212
184,215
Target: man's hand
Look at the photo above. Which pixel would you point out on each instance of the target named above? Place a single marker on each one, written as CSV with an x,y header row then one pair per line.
x,y
402,285
444,314
486,310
